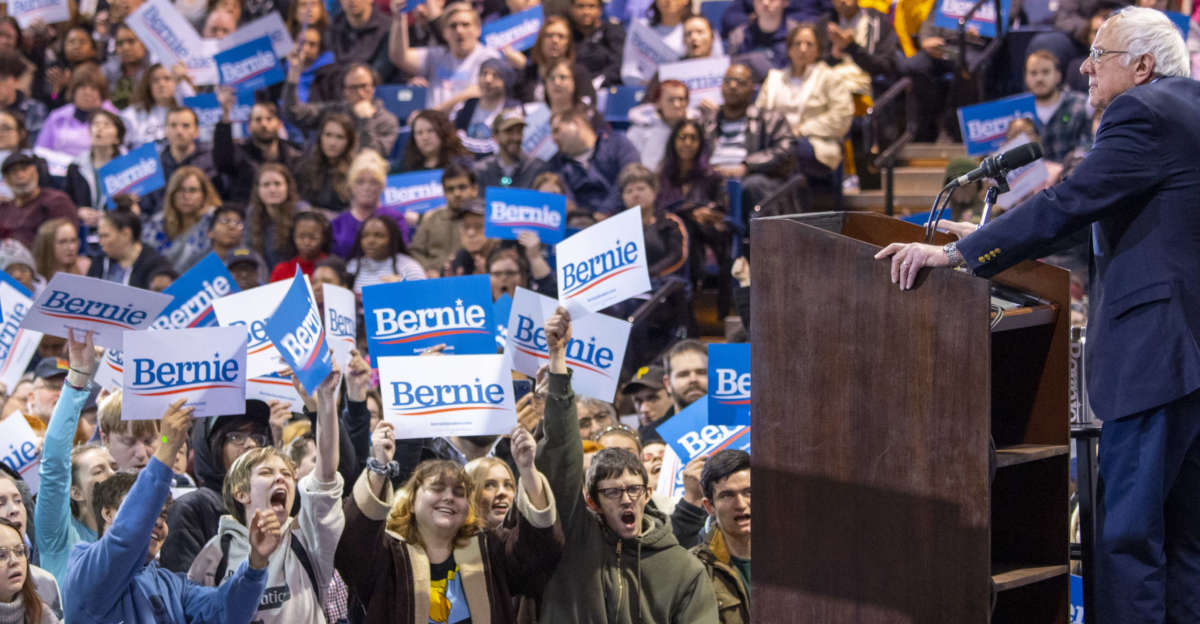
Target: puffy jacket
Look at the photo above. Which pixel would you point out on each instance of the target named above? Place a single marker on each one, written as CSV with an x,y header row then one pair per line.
x,y
733,597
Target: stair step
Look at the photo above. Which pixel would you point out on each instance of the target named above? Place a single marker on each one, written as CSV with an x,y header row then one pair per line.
x,y
919,180
932,151
873,200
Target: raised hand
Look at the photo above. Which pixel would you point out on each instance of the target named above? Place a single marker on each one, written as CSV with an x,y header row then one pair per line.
x,y
281,415
358,377
174,431
692,493
523,449
82,355
328,388
265,537
310,404
527,413
558,333
383,442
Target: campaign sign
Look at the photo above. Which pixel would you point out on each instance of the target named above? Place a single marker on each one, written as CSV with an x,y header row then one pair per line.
x,y
426,397
729,384
170,38
17,345
510,210
594,352
251,308
619,100
194,293
983,21
419,191
87,303
703,77
603,265
501,310
251,65
206,107
296,329
401,100
48,11
274,387
984,125
111,373
689,435
271,26
406,318
518,30
537,140
1181,21
644,52
205,366
19,450
341,322
1023,181
138,172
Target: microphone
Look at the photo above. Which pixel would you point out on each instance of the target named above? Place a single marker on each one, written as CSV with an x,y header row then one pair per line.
x,y
1000,164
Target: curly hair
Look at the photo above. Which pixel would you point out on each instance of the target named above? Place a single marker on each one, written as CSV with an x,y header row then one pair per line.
x,y
401,519
260,215
451,146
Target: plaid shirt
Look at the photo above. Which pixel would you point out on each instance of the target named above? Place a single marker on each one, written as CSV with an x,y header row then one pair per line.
x,y
337,607
1069,127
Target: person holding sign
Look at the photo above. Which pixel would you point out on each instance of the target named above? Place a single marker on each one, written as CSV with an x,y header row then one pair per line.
x,y
263,480
418,555
118,578
108,140
451,70
377,128
239,161
652,578
180,231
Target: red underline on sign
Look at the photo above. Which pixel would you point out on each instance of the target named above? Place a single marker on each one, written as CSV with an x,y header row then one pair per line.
x,y
448,332
178,390
448,409
87,318
609,276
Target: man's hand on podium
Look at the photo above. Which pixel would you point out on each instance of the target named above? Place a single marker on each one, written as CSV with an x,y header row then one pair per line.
x,y
909,258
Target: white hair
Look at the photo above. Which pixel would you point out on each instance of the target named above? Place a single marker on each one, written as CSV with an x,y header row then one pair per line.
x,y
1150,31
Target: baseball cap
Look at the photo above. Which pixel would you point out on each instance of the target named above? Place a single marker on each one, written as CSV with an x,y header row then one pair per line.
x,y
51,367
17,159
507,119
645,377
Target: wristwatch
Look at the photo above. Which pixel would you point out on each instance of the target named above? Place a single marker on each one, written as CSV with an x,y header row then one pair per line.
x,y
390,469
953,255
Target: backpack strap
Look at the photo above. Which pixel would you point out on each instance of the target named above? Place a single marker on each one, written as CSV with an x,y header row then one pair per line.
x,y
223,564
302,555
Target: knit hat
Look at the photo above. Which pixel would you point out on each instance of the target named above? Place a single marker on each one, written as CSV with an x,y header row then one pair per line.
x,y
958,167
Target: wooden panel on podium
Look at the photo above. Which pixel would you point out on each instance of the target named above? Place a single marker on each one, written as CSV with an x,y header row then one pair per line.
x,y
873,411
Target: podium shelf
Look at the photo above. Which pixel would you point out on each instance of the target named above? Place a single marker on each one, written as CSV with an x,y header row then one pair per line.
x,y
1024,316
1022,453
1006,576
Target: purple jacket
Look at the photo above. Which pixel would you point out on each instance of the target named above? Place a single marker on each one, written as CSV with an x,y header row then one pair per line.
x,y
345,229
65,132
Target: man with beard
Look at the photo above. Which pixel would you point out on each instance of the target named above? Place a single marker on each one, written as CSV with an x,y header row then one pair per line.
x,y
240,160
725,552
452,70
1063,121
686,376
509,166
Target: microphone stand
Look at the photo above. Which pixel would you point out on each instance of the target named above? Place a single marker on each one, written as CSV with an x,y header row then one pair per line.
x,y
999,185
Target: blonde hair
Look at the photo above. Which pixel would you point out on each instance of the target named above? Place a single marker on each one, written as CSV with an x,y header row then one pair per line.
x,y
371,162
401,519
294,430
238,478
108,417
478,470
173,222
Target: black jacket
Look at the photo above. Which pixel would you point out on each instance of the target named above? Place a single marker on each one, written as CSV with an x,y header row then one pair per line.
x,y
600,52
239,161
148,262
490,173
878,56
768,141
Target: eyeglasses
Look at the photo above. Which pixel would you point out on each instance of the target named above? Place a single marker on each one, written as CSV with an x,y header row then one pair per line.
x,y
16,551
240,438
1095,54
236,224
615,494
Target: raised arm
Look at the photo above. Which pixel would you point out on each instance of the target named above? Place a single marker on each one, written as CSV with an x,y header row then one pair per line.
x,y
327,428
560,456
399,52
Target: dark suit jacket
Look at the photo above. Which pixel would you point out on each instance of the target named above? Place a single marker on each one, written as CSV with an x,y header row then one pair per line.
x,y
147,264
1139,187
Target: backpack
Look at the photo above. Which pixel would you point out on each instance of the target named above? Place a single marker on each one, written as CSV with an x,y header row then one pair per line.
x,y
294,544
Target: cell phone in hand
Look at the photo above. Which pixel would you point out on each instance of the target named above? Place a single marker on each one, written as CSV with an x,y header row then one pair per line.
x,y
521,387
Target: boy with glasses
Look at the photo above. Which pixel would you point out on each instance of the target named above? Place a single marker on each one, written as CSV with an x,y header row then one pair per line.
x,y
621,562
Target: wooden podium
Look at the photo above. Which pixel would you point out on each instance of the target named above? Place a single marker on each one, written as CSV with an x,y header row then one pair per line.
x,y
873,414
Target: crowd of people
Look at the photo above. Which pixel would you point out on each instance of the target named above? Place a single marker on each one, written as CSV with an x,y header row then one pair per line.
x,y
331,514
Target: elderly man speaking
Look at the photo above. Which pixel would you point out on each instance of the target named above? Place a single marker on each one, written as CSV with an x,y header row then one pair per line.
x,y
1138,189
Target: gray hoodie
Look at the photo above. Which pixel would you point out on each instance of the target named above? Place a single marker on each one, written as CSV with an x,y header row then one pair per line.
x,y
290,596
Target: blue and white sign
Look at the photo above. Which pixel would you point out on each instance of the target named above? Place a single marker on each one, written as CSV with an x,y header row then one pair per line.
x,y
595,352
729,384
206,107
86,303
194,293
419,191
537,140
341,322
501,310
412,4
518,30
425,397
251,65
17,345
111,374
401,100
510,210
617,101
1181,21
603,265
170,38
984,125
1076,593
138,172
251,309
271,26
207,366
703,77
20,450
274,387
644,52
688,435
406,318
298,332
48,11
982,22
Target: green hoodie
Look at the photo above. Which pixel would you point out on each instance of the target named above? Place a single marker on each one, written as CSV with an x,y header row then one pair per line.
x,y
650,579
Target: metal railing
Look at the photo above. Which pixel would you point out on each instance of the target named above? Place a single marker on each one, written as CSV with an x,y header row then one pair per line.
x,y
885,158
990,50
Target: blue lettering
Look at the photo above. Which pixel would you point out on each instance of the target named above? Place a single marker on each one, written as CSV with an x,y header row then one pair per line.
x,y
405,396
146,372
60,300
579,273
